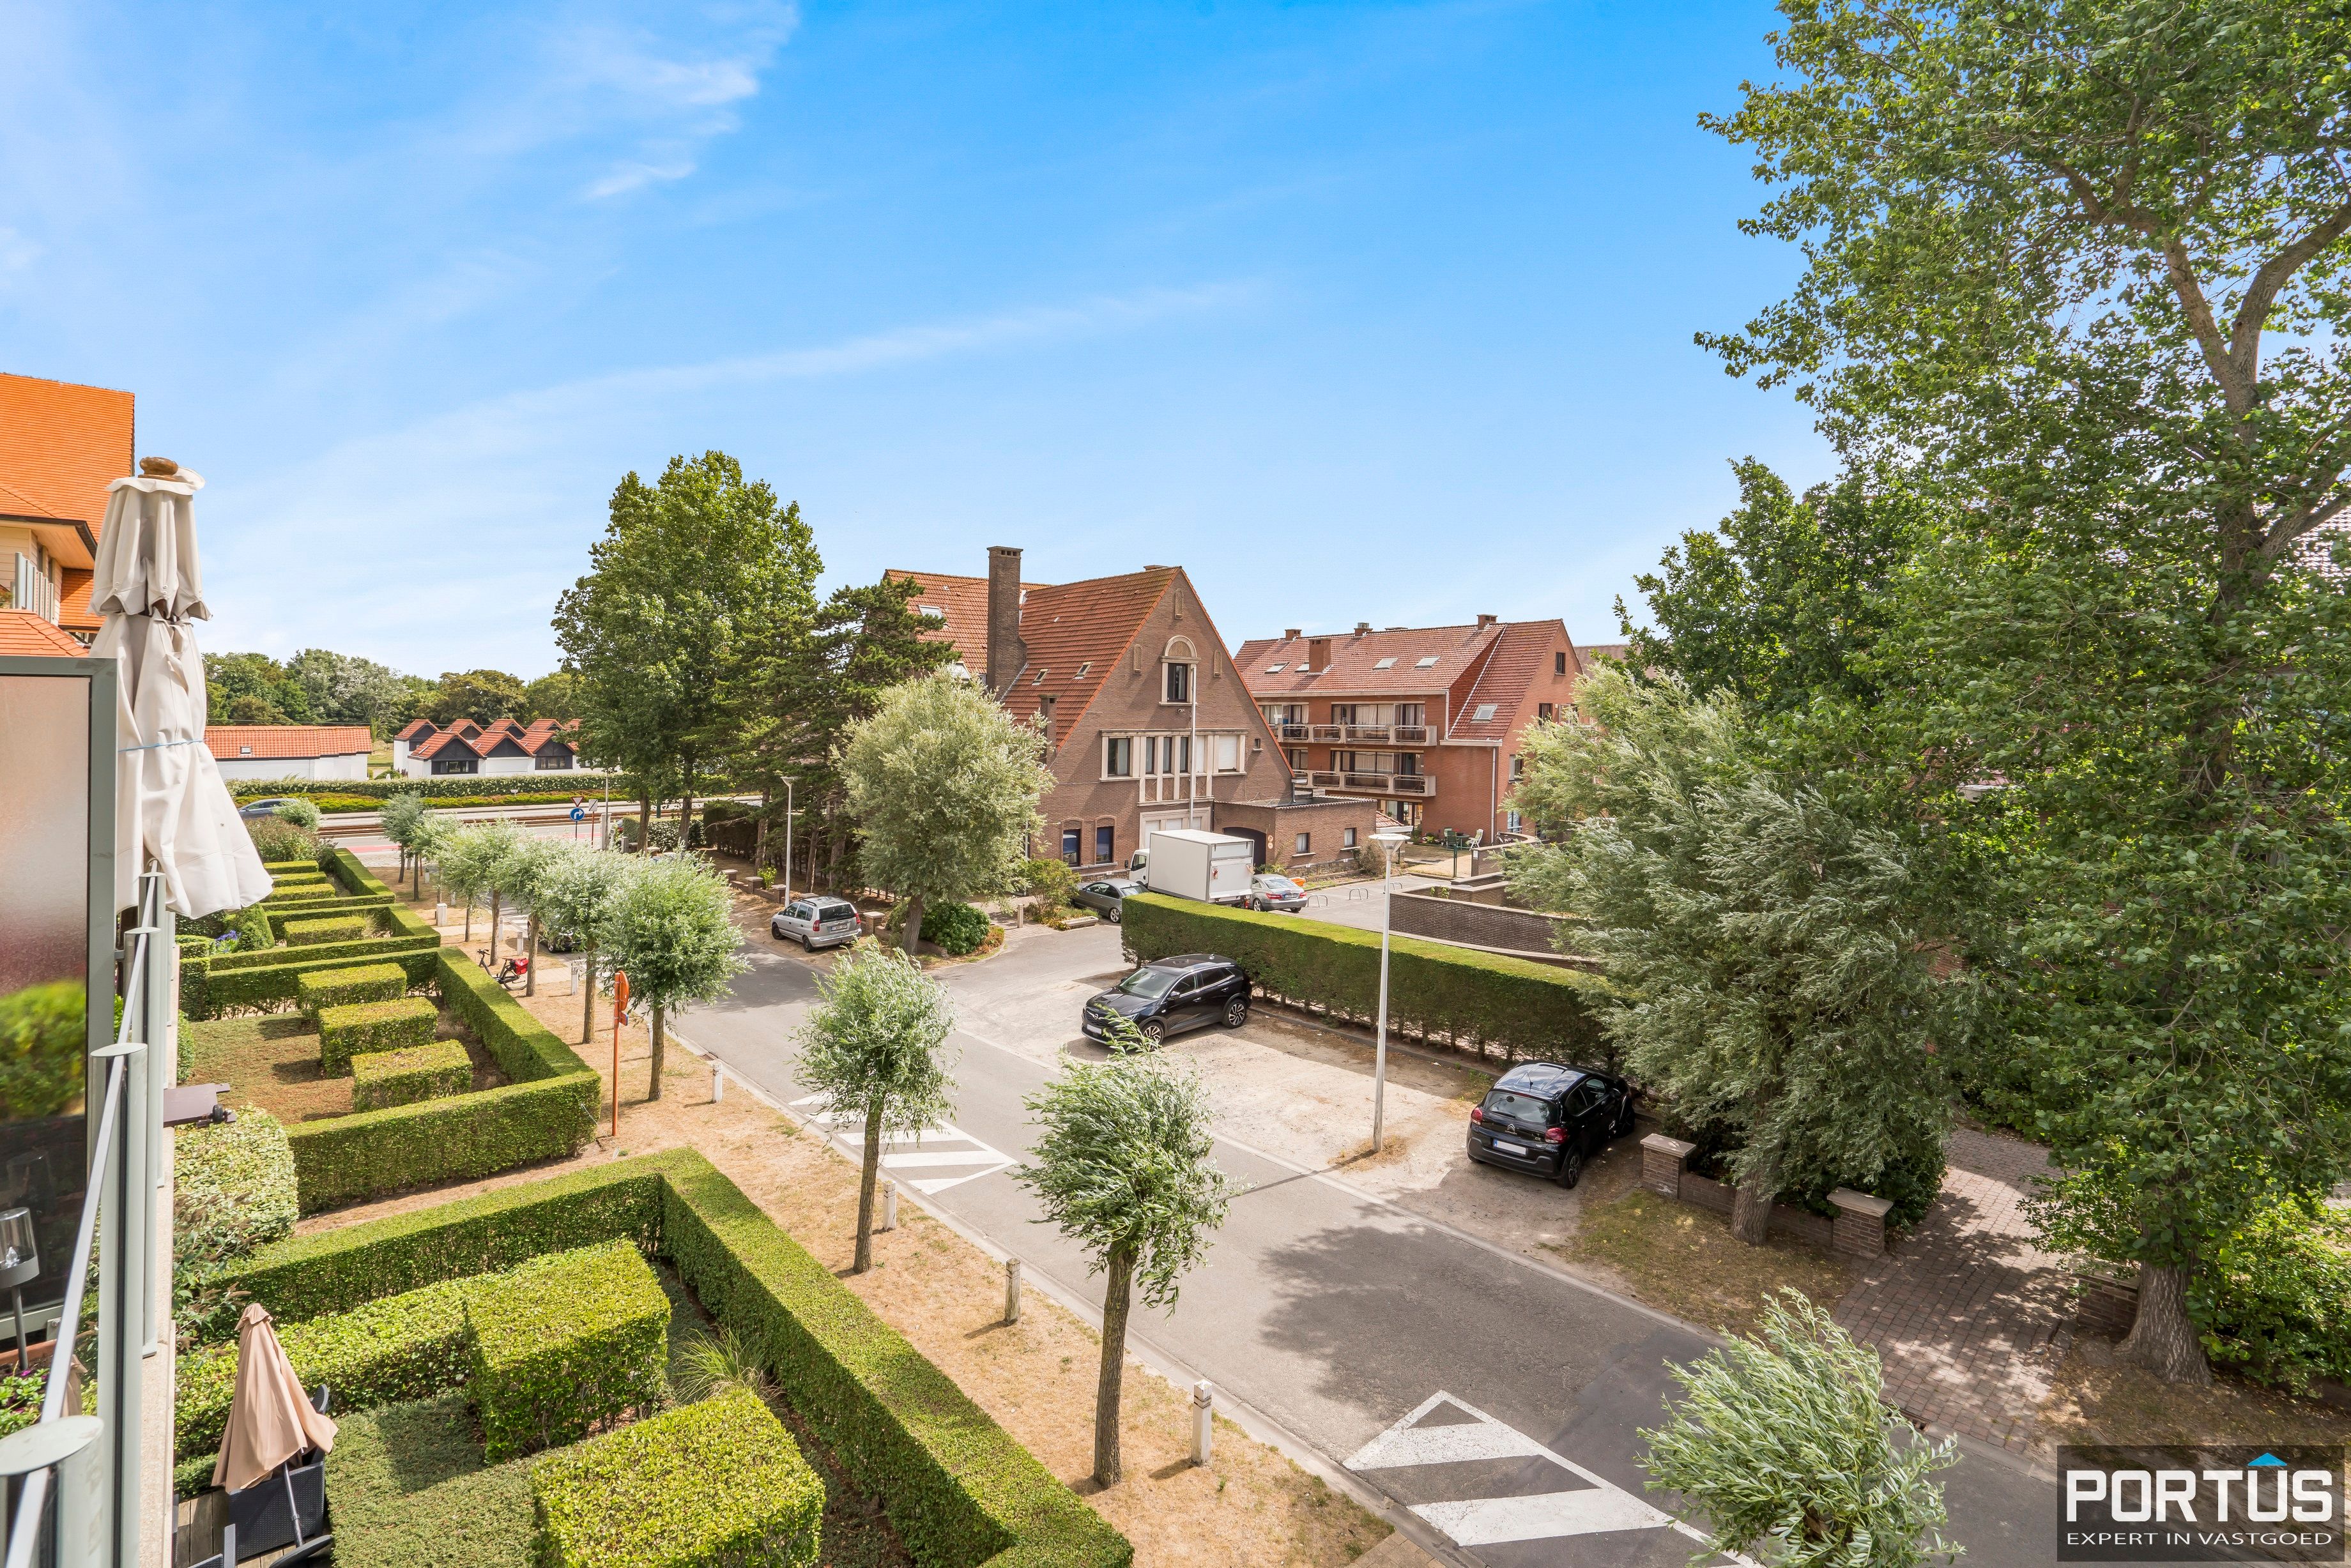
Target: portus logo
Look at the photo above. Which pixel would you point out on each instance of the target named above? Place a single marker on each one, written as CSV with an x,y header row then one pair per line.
x,y
2200,1504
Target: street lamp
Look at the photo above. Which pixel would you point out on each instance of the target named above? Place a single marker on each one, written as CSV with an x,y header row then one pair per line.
x,y
1389,841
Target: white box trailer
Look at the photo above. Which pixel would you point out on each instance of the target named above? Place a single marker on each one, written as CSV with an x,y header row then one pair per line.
x,y
1189,863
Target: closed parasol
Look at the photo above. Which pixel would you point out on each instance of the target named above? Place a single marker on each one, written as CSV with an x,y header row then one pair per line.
x,y
170,807
270,1419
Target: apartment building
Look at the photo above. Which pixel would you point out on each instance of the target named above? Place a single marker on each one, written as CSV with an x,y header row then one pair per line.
x,y
1426,722
61,445
1150,725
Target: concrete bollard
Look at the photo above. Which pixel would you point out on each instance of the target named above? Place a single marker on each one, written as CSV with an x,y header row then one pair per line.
x,y
1204,1420
1012,1290
717,1081
889,1205
440,915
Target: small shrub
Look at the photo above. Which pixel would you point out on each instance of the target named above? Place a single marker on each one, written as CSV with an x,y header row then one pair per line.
x,y
232,1189
42,1030
279,840
338,987
955,928
1053,882
708,1486
360,1027
20,1398
252,925
384,1078
664,837
301,813
563,1342
320,929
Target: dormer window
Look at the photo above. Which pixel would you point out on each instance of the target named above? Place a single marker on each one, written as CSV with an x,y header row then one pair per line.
x,y
1180,681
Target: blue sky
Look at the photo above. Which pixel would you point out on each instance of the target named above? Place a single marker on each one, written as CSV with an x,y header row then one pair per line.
x,y
1357,311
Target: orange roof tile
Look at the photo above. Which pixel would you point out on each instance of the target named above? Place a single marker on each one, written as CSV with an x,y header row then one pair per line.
x,y
292,740
1077,627
61,445
1586,653
1505,681
1354,666
963,602
452,739
73,601
416,728
24,632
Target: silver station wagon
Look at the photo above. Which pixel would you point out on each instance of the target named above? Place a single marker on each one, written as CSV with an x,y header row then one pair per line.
x,y
815,922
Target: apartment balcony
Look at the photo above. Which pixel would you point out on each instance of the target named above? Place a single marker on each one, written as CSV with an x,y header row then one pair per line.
x,y
1326,732
1292,731
1370,731
1414,732
1418,784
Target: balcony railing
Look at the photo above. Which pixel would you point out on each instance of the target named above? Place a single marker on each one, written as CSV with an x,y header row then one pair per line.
x,y
1291,731
1412,784
1368,731
1411,732
1327,732
1419,784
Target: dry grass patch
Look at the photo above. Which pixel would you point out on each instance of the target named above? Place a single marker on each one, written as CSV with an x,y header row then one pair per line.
x,y
271,1060
1680,1259
2098,1399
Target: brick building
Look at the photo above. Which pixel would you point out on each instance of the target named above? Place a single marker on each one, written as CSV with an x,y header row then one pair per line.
x,y
61,445
1150,725
1425,721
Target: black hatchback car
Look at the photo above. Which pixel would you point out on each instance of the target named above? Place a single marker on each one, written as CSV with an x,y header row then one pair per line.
x,y
1168,996
1542,1117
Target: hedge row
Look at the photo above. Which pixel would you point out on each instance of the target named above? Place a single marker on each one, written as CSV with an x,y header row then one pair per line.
x,y
382,1079
253,980
708,1486
562,1343
360,1029
1467,999
960,1492
317,931
359,982
546,1110
577,782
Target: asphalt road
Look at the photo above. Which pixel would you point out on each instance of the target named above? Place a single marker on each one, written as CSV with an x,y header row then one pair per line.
x,y
1498,1399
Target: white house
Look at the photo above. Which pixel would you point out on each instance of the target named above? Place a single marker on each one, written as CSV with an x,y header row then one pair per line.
x,y
289,751
422,750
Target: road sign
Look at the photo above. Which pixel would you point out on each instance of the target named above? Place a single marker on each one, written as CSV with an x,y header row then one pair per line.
x,y
579,814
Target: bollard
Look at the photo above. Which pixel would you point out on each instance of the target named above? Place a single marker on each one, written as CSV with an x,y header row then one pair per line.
x,y
1204,1420
717,1081
889,1205
440,915
1012,1290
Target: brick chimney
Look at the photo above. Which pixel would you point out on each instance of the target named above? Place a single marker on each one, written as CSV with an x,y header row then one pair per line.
x,y
1318,653
1362,628
1290,635
1483,621
1006,651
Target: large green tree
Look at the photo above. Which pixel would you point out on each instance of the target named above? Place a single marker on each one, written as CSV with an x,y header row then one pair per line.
x,y
344,689
2081,264
943,785
671,930
253,688
478,694
694,575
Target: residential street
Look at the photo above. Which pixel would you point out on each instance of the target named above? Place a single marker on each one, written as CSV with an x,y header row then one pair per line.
x,y
1336,1312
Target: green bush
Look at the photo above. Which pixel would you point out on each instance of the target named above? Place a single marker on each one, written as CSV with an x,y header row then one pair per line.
x,y
2275,1304
709,1486
260,982
20,1399
324,928
42,1030
1053,882
357,1029
336,987
301,813
959,1491
482,786
954,929
564,1342
381,1079
411,1490
279,840
1481,1000
403,1347
232,1189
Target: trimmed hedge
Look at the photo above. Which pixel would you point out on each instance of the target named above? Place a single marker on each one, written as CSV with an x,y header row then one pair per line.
x,y
323,928
1478,1000
242,981
577,781
381,1079
357,1029
407,1346
709,1486
960,1492
954,929
564,1342
546,1110
335,987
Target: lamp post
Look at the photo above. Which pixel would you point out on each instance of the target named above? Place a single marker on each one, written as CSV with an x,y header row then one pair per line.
x,y
1388,842
787,841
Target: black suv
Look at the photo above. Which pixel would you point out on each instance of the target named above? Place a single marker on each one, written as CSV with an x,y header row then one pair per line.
x,y
1549,1119
1168,996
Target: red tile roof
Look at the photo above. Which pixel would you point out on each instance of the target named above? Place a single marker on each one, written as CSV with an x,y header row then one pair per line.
x,y
61,445
24,632
1352,666
963,602
415,727
1587,653
450,739
73,601
1076,632
230,741
1510,670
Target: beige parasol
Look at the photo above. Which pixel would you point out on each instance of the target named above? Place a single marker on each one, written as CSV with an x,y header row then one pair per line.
x,y
270,1418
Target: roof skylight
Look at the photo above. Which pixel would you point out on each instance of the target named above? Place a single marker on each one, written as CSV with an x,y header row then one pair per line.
x,y
1275,669
1082,669
930,610
1040,677
1484,712
1427,662
1386,664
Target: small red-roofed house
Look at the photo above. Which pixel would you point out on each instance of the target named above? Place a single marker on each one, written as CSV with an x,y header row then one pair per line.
x,y
290,751
421,751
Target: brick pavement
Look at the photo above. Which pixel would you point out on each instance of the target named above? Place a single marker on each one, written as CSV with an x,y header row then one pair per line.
x,y
1969,1318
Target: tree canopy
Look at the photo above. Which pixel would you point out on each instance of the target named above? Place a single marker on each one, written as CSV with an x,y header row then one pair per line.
x,y
673,930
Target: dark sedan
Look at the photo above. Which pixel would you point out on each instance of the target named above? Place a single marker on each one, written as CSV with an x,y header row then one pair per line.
x,y
1548,1119
1105,895
1168,996
253,810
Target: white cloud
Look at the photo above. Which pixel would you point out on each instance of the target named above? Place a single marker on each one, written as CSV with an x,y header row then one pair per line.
x,y
622,178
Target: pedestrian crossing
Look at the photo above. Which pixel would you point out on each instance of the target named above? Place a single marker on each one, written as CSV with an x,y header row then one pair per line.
x,y
915,1151
1486,1484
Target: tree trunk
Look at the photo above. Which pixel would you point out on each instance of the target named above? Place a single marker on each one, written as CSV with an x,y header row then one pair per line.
x,y
2162,1338
494,901
588,1007
645,822
469,918
1117,1288
1750,1207
868,1178
759,833
686,817
659,1041
913,925
530,956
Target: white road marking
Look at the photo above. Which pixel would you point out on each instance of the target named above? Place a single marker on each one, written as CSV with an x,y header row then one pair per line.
x,y
1476,1521
990,1160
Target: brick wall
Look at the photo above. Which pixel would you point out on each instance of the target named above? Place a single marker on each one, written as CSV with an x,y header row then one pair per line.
x,y
1476,925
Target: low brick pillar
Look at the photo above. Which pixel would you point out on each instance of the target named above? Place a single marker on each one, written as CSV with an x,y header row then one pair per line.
x,y
1860,1229
1663,1160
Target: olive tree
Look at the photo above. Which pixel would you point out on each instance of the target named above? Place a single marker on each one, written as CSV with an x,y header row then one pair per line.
x,y
577,895
671,930
874,1048
470,865
399,816
944,785
521,880
1785,1442
1122,1165
428,844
